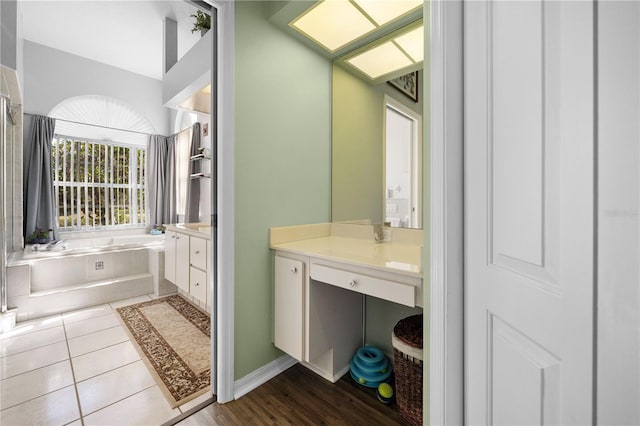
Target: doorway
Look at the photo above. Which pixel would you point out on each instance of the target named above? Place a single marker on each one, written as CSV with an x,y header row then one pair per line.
x,y
402,171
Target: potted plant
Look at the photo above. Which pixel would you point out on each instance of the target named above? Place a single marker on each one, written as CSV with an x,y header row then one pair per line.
x,y
39,236
202,22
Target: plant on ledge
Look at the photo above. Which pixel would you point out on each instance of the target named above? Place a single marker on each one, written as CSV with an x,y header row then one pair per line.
x,y
39,236
202,23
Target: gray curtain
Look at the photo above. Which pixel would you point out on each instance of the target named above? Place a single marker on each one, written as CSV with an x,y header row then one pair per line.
x,y
192,210
156,179
169,204
39,196
161,179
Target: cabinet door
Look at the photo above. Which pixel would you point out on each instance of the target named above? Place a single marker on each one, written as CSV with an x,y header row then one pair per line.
x,y
289,302
198,256
198,284
170,256
182,261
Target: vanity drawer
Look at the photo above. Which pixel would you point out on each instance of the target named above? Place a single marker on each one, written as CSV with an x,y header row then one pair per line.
x,y
198,254
198,284
361,283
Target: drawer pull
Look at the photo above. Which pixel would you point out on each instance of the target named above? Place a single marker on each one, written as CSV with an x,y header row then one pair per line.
x,y
293,270
352,283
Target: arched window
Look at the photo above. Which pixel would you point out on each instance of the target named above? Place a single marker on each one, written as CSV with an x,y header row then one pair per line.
x,y
98,155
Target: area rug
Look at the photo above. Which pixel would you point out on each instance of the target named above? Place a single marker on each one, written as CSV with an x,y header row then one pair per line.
x,y
173,338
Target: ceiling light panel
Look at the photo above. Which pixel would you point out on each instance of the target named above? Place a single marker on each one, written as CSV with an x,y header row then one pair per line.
x,y
333,24
383,11
413,43
380,60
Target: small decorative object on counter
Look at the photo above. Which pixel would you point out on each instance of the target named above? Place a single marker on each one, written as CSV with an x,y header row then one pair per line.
x,y
157,230
370,367
408,356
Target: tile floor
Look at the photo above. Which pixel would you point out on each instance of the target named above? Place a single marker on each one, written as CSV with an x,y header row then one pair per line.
x,y
78,368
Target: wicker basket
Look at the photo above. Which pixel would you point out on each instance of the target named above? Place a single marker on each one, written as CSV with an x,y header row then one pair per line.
x,y
407,355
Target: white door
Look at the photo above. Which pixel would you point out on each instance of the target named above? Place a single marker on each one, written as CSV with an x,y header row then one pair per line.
x,y
529,212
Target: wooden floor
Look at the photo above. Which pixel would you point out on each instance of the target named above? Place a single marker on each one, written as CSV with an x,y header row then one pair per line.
x,y
300,397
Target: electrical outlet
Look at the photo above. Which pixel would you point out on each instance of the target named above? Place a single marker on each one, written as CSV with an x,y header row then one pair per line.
x,y
386,235
99,265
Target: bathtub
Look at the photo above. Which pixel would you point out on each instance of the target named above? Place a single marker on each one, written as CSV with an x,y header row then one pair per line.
x,y
89,245
83,272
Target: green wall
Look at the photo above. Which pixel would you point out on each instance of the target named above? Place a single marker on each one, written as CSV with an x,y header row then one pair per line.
x,y
282,165
357,151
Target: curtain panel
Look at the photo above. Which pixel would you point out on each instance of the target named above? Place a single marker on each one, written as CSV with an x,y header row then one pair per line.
x,y
162,179
39,196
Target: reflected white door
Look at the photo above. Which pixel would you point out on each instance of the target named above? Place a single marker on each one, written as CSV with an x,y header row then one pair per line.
x,y
402,171
529,204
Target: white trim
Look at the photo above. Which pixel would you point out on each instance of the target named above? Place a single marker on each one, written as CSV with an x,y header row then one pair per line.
x,y
263,374
224,304
446,343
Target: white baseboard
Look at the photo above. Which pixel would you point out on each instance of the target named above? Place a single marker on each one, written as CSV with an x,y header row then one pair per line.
x,y
262,375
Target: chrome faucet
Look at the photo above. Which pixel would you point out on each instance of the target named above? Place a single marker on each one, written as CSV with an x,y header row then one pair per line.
x,y
377,233
53,244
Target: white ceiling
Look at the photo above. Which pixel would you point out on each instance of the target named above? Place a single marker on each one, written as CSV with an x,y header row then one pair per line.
x,y
124,34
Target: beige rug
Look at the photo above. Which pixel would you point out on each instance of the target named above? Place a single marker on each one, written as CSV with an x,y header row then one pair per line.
x,y
173,339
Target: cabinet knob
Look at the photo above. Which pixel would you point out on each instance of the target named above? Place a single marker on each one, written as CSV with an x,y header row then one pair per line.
x,y
173,236
197,251
197,284
352,283
294,270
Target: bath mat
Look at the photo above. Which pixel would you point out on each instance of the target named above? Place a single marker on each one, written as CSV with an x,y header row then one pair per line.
x,y
173,338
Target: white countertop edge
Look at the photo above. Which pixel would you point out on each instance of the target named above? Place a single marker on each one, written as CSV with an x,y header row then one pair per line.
x,y
309,253
183,228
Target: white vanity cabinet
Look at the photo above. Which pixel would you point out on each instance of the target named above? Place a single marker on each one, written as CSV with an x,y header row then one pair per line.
x,y
176,259
289,305
320,284
198,268
317,324
186,260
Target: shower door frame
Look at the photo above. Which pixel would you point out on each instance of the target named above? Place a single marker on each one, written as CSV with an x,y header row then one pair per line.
x,y
5,103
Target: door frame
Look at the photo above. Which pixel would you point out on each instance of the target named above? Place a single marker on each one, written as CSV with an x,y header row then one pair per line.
x,y
445,382
445,238
222,354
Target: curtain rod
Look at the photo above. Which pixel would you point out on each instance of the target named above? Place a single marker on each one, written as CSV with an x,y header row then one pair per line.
x,y
97,125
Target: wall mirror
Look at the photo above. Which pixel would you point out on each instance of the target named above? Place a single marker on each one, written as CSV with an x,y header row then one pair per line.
x,y
376,152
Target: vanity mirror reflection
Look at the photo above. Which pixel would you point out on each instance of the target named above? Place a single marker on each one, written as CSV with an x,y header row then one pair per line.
x,y
376,152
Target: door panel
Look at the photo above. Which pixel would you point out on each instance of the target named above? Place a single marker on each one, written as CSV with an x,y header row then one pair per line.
x,y
529,202
515,358
523,138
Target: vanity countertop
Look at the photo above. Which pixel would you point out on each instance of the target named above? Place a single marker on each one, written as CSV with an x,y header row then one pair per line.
x,y
399,258
201,230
